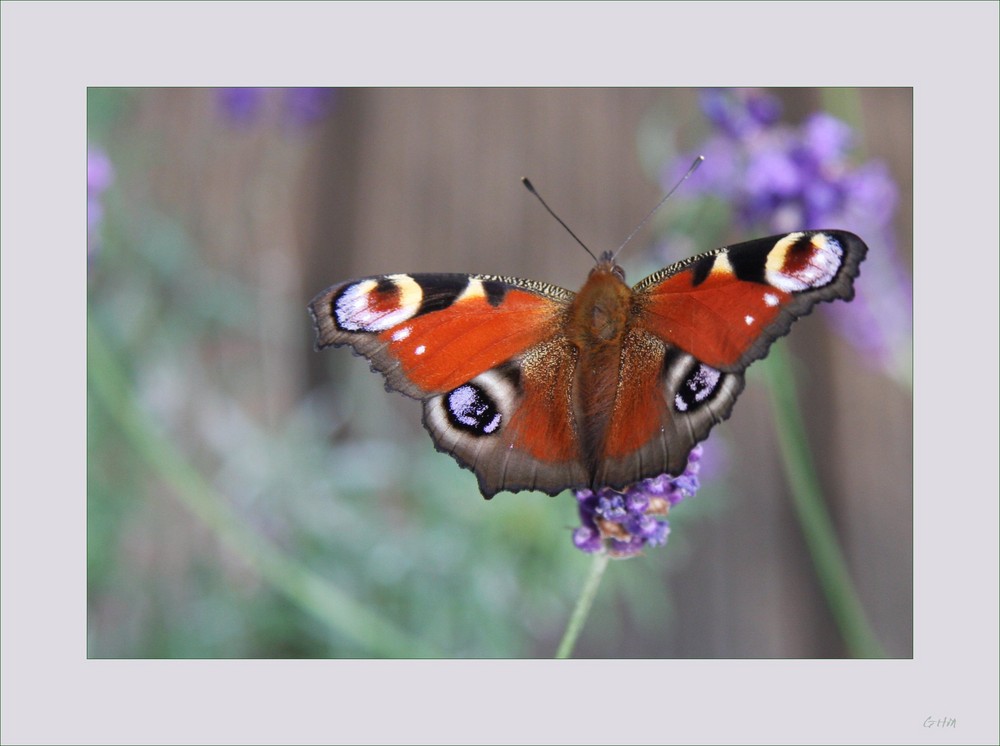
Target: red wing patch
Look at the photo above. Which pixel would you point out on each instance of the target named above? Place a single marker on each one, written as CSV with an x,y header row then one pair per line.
x,y
639,405
440,351
542,425
716,321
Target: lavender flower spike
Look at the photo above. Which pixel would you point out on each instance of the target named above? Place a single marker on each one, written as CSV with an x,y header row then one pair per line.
x,y
100,176
623,523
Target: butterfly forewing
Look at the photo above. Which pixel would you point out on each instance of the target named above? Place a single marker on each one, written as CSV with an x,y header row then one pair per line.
x,y
429,333
726,307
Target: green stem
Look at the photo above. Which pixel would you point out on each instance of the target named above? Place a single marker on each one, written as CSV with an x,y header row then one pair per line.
x,y
108,383
814,519
583,604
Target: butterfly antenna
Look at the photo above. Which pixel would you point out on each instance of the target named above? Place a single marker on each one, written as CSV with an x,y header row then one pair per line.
x,y
530,187
694,167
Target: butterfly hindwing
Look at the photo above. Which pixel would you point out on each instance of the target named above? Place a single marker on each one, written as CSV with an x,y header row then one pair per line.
x,y
512,424
671,405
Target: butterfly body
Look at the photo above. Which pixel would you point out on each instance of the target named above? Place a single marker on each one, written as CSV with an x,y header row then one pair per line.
x,y
596,325
534,387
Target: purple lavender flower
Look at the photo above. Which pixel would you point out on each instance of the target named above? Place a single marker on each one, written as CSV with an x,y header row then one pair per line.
x,y
298,107
780,178
100,175
740,113
304,106
825,139
623,523
241,106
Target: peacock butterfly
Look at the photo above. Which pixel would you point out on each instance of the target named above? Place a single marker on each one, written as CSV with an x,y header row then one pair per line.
x,y
533,387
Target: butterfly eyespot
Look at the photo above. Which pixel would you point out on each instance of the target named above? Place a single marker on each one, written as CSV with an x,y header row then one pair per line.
x,y
377,304
698,387
802,262
471,409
